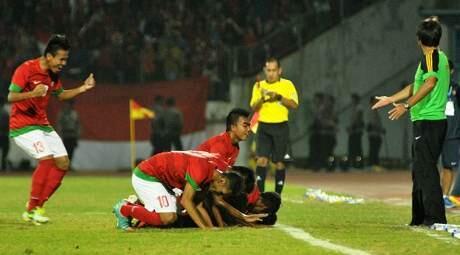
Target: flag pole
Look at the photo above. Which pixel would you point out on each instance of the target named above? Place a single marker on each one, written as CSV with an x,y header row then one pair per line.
x,y
132,135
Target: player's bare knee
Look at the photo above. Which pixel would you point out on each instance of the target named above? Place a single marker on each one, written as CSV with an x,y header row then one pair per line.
x,y
168,218
62,163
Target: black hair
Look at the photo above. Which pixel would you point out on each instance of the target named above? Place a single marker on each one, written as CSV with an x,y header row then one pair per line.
x,y
451,65
55,43
429,32
170,101
248,177
272,201
235,182
234,115
269,220
273,59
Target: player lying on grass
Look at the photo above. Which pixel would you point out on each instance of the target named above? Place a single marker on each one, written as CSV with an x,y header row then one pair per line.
x,y
189,171
248,202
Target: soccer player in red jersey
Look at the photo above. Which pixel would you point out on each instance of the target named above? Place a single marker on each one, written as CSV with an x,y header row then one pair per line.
x,y
156,179
32,84
226,143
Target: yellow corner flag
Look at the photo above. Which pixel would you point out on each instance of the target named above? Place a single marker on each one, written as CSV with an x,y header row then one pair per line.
x,y
137,112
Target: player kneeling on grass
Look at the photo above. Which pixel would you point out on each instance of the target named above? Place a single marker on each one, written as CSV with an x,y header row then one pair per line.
x,y
189,171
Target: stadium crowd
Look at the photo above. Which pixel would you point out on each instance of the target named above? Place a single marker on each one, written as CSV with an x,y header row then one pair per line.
x,y
135,41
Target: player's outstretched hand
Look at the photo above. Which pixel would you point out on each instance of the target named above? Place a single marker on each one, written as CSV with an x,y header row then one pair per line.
x,y
398,111
383,101
89,83
40,90
254,217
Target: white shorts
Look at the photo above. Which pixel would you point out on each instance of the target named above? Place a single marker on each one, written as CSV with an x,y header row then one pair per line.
x,y
39,144
154,196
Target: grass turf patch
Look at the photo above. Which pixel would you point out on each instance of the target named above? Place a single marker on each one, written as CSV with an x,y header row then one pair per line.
x,y
82,223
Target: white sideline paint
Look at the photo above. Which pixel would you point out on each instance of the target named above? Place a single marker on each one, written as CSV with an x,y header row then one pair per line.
x,y
298,233
432,233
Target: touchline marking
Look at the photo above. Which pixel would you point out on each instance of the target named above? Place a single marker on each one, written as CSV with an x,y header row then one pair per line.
x,y
298,233
428,232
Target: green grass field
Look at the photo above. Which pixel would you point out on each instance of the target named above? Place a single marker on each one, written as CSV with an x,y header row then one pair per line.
x,y
82,223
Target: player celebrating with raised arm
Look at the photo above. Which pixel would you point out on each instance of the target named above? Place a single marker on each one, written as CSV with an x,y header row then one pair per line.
x,y
31,86
426,99
188,171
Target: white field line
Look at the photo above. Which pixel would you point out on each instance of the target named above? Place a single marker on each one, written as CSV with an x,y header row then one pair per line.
x,y
433,234
298,233
295,201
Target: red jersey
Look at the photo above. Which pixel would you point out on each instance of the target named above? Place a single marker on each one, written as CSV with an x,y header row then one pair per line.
x,y
32,111
222,145
176,168
254,195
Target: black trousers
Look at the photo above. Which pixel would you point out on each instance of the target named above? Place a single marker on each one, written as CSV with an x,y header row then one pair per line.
x,y
160,143
355,150
427,202
375,142
4,149
315,150
176,142
70,143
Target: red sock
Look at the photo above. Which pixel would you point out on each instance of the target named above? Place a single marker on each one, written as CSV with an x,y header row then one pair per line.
x,y
142,214
38,182
53,182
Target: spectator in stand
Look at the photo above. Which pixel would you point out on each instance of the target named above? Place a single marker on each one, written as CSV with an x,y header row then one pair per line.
x,y
355,133
173,123
4,134
68,126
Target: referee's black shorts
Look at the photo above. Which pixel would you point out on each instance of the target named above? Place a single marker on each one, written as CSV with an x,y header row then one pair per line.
x,y
273,141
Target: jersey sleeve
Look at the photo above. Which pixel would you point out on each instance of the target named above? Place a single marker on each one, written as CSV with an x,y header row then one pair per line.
x,y
256,94
19,80
195,174
292,93
58,89
429,64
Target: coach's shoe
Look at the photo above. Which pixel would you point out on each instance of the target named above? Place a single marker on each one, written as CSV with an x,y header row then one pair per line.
x,y
447,203
123,222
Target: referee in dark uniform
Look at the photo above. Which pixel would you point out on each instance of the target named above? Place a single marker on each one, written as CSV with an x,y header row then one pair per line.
x,y
273,98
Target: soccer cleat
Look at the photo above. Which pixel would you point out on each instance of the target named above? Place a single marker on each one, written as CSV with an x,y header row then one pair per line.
x,y
27,216
123,222
455,200
39,215
447,203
